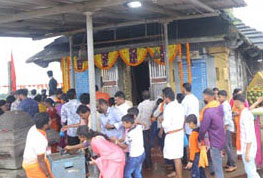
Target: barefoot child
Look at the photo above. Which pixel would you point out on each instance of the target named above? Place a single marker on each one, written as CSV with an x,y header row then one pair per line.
x,y
197,171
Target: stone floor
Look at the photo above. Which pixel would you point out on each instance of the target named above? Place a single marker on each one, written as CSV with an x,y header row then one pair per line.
x,y
159,171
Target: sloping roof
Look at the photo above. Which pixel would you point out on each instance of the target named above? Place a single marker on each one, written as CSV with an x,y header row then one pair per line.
x,y
213,29
45,18
253,36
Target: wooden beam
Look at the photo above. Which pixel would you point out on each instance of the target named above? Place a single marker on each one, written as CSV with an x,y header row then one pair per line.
x,y
31,2
115,15
159,9
26,30
125,24
42,25
208,39
202,5
73,7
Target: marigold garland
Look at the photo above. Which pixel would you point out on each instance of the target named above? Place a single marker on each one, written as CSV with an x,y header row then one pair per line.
x,y
105,61
133,56
80,66
172,53
65,65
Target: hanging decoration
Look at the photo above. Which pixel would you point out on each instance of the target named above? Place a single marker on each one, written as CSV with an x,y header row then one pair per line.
x,y
65,65
172,52
80,65
188,63
157,51
105,61
133,56
180,66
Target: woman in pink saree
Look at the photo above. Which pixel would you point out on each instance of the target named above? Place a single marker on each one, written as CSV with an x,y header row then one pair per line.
x,y
111,158
258,113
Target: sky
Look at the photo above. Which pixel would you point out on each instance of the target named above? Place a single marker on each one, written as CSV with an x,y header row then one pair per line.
x,y
252,14
23,48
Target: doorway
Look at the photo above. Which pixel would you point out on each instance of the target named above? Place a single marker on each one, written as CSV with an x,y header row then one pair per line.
x,y
140,76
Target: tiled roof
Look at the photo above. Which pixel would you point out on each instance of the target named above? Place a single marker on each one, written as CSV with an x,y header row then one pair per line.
x,y
252,35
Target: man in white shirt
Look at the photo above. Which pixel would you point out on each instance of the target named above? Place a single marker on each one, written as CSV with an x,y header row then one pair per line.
x,y
69,115
145,112
120,103
229,129
110,120
173,125
248,137
35,162
190,104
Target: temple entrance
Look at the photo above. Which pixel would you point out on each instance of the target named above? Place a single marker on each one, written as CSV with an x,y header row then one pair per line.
x,y
140,81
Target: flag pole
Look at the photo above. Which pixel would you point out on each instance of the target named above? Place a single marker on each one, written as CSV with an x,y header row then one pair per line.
x,y
9,77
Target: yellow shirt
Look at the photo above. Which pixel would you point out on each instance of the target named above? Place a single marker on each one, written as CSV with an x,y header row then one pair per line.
x,y
42,107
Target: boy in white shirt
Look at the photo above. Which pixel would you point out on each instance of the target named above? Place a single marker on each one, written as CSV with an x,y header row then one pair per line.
x,y
248,137
134,142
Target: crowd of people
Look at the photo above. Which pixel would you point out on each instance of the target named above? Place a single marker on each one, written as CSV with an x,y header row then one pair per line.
x,y
189,137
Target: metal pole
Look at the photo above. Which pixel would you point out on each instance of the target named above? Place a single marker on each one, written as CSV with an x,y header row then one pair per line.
x,y
90,51
166,52
72,72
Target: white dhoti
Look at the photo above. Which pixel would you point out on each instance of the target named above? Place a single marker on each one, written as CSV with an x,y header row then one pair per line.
x,y
173,121
174,145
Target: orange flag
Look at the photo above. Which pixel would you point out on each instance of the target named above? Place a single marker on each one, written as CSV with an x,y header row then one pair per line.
x,y
13,74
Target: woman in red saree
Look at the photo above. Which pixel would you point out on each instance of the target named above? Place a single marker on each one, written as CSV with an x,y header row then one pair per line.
x,y
111,158
50,104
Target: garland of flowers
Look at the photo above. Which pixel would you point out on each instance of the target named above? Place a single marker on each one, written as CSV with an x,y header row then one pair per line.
x,y
105,61
188,63
65,65
172,53
130,56
180,67
133,56
80,65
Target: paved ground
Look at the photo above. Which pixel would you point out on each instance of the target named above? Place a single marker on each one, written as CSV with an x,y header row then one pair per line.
x,y
159,171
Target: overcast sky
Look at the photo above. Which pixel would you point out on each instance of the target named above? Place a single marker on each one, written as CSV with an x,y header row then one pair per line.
x,y
23,48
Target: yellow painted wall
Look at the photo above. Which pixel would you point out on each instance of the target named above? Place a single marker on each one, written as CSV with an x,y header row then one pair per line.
x,y
221,55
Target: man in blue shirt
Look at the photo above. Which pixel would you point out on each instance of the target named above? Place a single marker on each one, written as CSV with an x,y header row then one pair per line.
x,y
111,124
27,104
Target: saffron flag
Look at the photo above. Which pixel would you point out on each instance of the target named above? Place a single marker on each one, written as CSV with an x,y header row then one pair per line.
x,y
13,74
